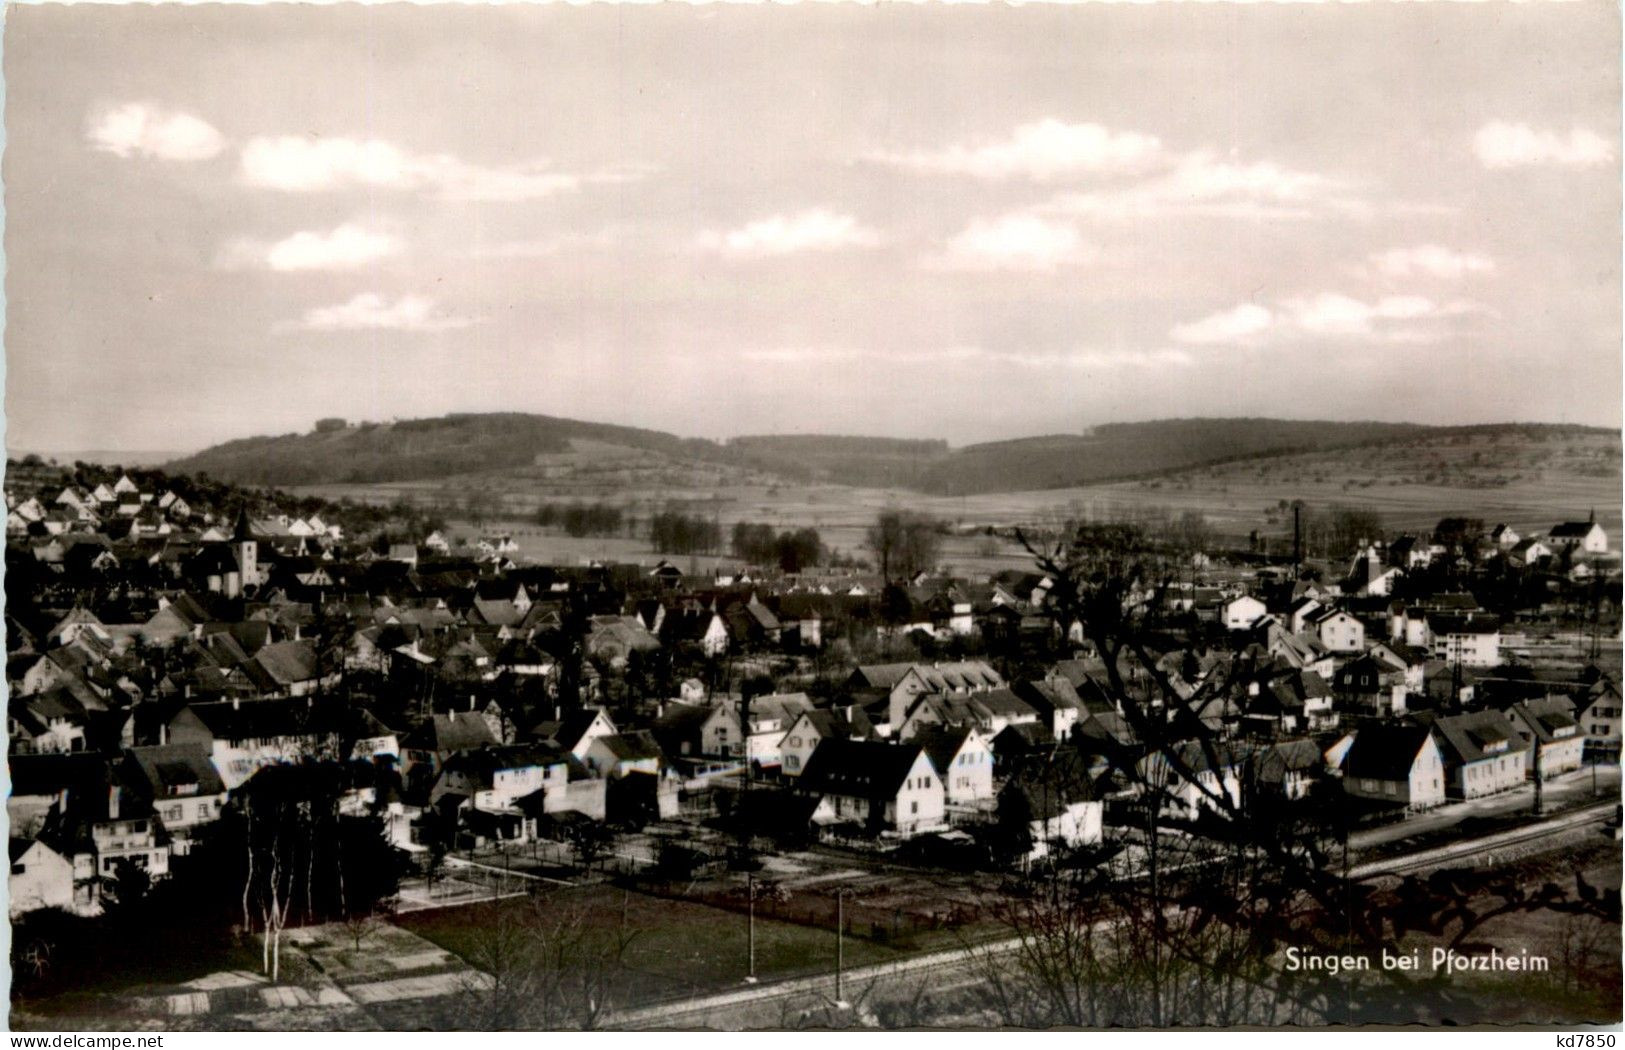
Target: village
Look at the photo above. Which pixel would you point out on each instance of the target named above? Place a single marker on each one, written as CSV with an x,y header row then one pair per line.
x,y
175,649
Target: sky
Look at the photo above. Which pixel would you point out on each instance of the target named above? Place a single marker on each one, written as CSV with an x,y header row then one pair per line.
x,y
959,222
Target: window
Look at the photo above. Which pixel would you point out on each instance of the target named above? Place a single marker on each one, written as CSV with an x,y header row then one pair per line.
x,y
1389,789
913,807
18,869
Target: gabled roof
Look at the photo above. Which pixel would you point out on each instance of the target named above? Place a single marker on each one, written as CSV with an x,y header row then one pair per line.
x,y
1050,786
1385,752
1289,756
484,763
631,747
941,744
1574,529
1473,737
282,664
450,732
1547,716
830,723
867,769
169,766
261,719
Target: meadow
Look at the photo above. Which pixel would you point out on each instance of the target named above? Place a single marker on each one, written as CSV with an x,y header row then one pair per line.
x,y
1530,482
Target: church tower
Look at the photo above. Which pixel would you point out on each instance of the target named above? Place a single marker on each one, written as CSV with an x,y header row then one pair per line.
x,y
247,548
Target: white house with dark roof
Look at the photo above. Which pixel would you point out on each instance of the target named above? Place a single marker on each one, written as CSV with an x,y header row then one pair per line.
x,y
1482,754
885,788
1587,536
1471,640
1393,763
1556,744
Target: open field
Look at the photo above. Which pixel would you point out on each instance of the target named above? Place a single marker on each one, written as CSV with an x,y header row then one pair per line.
x,y
1528,485
677,947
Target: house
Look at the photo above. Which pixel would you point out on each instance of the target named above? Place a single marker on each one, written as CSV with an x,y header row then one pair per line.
x,y
426,749
616,638
679,728
770,720
1482,754
576,731
992,712
1587,536
1239,614
1528,553
180,784
1598,713
963,759
1556,744
41,877
1339,631
244,735
813,727
1504,536
1057,702
49,722
887,789
288,669
1395,763
905,683
1287,769
1198,776
494,779
1053,802
621,754
1473,640
1372,685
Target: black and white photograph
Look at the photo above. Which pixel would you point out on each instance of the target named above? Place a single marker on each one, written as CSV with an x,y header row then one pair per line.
x,y
812,516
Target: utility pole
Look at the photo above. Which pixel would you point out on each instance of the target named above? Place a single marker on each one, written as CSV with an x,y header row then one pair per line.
x,y
750,890
840,946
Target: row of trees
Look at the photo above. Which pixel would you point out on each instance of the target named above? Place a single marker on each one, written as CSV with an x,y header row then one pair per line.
x,y
904,542
791,551
582,519
673,532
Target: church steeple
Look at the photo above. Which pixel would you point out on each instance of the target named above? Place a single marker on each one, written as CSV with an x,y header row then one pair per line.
x,y
244,529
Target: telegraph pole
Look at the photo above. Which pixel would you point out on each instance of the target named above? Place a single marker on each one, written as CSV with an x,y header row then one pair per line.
x,y
750,890
840,947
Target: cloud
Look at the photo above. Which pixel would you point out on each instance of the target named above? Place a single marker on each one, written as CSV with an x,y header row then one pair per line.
x,y
1389,318
346,247
815,230
1012,242
1430,260
1042,150
297,164
1238,325
1076,360
137,128
409,313
1202,184
1503,145
1330,313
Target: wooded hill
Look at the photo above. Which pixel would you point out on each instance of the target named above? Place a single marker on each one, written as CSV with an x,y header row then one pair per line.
x,y
448,446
